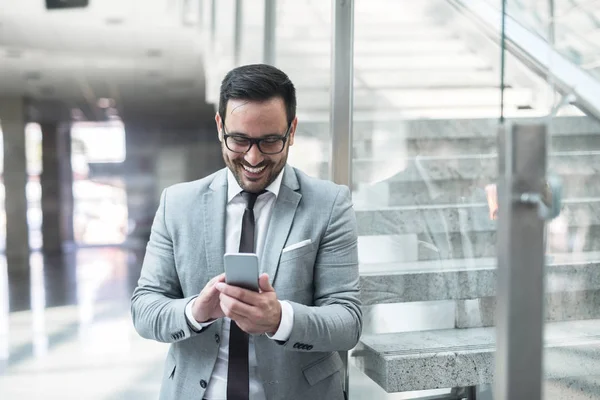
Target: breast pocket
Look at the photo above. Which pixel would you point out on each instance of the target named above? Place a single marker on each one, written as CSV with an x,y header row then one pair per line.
x,y
294,253
295,274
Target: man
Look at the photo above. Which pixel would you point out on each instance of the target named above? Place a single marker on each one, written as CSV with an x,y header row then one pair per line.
x,y
232,343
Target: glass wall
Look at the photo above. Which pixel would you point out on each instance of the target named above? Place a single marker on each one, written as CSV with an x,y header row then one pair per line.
x,y
426,111
303,51
572,328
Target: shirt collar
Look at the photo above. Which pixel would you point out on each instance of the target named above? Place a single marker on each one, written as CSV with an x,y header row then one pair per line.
x,y
233,188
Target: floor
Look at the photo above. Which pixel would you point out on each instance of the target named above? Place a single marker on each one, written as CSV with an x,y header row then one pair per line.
x,y
66,332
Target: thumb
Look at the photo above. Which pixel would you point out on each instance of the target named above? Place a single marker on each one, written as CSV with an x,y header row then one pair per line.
x,y
264,284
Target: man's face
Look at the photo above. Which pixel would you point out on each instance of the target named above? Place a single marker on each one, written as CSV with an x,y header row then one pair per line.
x,y
254,171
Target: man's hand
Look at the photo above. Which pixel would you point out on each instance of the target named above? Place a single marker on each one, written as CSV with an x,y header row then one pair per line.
x,y
254,313
206,306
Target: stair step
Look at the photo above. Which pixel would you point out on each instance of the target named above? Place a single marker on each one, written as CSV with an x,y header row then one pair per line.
x,y
482,167
459,112
429,246
459,218
460,190
363,31
413,147
436,359
400,99
311,48
397,63
443,128
462,279
381,80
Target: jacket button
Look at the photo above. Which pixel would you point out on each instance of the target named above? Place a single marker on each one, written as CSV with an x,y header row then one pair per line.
x,y
203,384
217,338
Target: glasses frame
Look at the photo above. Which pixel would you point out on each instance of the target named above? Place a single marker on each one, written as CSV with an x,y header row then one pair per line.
x,y
257,141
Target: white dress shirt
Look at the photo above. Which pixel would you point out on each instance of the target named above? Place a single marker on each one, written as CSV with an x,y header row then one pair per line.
x,y
217,385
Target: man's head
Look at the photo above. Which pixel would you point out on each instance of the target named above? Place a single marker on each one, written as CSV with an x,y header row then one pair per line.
x,y
256,102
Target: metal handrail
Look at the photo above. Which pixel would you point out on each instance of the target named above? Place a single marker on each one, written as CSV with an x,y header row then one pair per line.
x,y
536,53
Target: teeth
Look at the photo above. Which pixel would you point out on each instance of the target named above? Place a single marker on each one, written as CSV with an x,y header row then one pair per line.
x,y
254,170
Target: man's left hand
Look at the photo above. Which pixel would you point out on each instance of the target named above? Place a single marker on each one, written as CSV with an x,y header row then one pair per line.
x,y
255,313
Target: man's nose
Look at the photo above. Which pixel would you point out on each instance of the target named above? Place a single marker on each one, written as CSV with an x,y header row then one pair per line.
x,y
254,156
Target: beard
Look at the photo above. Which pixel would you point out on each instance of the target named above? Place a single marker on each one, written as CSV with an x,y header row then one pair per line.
x,y
246,180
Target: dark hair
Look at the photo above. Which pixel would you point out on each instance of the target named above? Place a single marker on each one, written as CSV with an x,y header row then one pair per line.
x,y
257,82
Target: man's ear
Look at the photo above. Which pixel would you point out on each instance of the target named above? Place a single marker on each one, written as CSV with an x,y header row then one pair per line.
x,y
219,123
294,124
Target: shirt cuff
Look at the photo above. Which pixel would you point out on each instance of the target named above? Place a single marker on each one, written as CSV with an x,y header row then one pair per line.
x,y
286,324
197,326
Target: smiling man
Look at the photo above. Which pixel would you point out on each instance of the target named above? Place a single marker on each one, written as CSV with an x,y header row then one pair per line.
x,y
231,343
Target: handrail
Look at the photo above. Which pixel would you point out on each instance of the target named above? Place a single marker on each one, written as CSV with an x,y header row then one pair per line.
x,y
537,54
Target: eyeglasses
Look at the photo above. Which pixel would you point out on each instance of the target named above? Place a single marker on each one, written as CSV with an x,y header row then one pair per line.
x,y
272,144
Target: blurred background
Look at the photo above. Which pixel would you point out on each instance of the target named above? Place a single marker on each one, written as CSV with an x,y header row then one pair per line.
x,y
104,103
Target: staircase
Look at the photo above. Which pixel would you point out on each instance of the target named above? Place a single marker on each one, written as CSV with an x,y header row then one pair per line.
x,y
426,108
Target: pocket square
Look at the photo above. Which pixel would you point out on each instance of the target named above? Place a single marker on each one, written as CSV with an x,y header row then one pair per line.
x,y
296,245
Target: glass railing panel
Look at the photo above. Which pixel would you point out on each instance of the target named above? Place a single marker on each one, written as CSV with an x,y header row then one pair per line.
x,y
571,364
571,321
303,51
219,43
573,26
253,19
426,112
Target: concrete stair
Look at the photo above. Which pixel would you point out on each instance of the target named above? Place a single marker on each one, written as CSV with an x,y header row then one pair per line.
x,y
463,279
411,361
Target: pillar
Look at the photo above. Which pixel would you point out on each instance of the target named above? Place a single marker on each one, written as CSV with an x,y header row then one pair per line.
x,y
57,187
12,119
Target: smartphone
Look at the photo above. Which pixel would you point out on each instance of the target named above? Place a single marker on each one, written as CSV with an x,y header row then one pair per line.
x,y
241,269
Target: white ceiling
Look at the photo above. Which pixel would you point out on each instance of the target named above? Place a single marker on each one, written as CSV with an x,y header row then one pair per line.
x,y
145,53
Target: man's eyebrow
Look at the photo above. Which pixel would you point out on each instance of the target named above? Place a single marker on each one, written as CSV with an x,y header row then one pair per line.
x,y
261,136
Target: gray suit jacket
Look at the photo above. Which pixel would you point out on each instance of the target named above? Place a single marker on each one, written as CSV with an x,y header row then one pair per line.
x,y
320,280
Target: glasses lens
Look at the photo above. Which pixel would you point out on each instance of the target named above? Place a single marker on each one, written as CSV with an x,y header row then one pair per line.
x,y
237,144
271,145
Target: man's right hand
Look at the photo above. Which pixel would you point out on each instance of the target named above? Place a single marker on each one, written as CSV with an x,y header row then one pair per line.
x,y
207,306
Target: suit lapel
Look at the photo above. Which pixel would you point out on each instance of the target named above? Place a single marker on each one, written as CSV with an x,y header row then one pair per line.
x,y
281,222
214,203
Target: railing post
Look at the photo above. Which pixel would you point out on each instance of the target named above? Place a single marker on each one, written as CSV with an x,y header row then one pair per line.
x,y
237,35
342,79
520,293
269,33
213,23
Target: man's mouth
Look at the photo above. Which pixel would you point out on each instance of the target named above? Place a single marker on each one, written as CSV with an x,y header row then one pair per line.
x,y
254,170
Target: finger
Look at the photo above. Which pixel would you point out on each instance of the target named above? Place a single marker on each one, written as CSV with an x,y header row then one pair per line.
x,y
210,286
235,307
243,295
217,279
264,284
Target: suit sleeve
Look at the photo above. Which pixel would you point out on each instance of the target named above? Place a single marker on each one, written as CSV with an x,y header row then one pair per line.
x,y
157,304
334,323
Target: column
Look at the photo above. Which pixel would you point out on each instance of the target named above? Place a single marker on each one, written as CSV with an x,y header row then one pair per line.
x,y
57,187
12,118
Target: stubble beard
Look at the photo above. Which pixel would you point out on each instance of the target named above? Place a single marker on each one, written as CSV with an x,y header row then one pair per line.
x,y
236,168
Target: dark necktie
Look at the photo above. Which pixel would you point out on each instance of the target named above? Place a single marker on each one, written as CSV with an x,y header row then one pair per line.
x,y
238,386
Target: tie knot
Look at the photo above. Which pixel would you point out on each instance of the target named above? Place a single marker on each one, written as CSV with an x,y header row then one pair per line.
x,y
250,198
